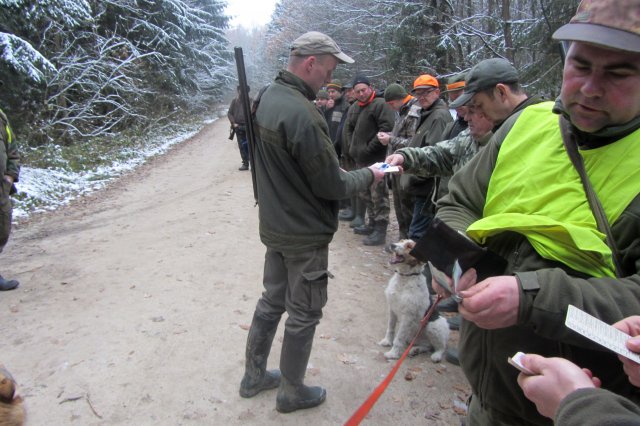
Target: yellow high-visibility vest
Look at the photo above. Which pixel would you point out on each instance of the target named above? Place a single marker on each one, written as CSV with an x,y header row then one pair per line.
x,y
535,191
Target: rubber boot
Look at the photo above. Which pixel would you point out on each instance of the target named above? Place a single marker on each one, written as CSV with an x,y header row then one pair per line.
x,y
6,285
378,236
293,394
347,213
360,208
256,377
365,229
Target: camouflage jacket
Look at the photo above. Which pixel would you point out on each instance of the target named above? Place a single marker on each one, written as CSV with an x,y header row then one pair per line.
x,y
405,126
442,159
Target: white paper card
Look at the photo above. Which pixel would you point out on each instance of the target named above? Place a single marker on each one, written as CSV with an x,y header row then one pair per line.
x,y
516,361
600,332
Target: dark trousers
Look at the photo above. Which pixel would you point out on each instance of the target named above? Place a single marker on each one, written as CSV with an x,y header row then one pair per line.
x,y
295,282
243,145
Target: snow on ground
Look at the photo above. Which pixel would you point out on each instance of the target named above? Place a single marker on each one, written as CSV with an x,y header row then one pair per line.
x,y
48,189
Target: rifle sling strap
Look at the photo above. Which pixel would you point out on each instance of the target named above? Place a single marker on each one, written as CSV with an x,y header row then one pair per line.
x,y
596,207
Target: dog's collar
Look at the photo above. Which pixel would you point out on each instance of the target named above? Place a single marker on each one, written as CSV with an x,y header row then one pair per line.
x,y
409,275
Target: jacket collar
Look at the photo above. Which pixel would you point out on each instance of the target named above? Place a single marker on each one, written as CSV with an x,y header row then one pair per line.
x,y
291,80
603,136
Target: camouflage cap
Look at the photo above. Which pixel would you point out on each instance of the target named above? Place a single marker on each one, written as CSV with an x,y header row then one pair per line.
x,y
394,92
317,43
485,75
608,23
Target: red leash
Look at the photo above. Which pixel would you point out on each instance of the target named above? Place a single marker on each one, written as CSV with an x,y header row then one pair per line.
x,y
366,406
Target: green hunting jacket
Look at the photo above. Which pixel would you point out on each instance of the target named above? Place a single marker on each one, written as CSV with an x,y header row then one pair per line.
x,y
551,287
361,128
9,154
298,176
433,121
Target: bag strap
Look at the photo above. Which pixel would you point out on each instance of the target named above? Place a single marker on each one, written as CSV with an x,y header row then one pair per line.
x,y
596,207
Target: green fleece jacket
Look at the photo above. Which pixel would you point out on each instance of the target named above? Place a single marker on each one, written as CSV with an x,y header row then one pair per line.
x,y
551,288
297,172
596,407
361,127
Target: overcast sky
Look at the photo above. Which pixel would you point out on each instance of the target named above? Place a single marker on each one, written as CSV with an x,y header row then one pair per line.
x,y
250,13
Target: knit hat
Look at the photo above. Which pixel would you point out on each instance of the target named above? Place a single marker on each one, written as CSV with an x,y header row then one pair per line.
x,y
484,75
608,23
394,92
316,43
455,82
425,81
322,94
360,79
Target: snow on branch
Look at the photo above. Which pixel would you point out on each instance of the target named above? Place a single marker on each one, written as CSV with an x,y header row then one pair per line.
x,y
23,58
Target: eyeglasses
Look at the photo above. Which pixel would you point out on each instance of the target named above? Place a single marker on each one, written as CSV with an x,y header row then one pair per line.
x,y
423,93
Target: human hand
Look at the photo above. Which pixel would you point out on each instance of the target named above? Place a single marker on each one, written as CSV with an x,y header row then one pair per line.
x,y
466,280
492,303
555,379
378,173
8,179
395,160
631,326
384,138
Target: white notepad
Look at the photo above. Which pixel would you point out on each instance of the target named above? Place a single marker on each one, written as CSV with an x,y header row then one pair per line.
x,y
600,332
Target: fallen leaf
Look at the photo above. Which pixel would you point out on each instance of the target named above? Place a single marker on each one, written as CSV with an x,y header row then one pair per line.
x,y
345,359
432,415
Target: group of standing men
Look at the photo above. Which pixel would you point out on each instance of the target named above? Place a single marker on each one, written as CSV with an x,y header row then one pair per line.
x,y
554,191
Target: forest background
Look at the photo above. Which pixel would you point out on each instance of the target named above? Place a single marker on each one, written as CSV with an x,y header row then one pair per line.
x,y
92,83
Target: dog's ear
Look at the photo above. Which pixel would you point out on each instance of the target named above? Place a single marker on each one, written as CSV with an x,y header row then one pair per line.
x,y
410,244
412,261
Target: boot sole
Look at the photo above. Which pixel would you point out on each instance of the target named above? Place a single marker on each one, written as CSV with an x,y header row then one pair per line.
x,y
253,391
301,405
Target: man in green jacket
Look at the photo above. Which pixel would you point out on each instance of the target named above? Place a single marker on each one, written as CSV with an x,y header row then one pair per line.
x,y
434,117
9,170
366,117
524,199
299,184
406,124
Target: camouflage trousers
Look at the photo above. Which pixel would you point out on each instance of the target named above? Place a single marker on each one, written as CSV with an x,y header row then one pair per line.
x,y
402,205
377,201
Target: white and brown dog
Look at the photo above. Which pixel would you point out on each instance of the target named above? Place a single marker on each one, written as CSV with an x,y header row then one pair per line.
x,y
408,299
11,408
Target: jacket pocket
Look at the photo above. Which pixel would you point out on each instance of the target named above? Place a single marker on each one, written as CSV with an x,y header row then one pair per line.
x,y
317,288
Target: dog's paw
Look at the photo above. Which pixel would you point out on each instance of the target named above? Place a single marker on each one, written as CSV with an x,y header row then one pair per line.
x,y
392,354
437,356
384,342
